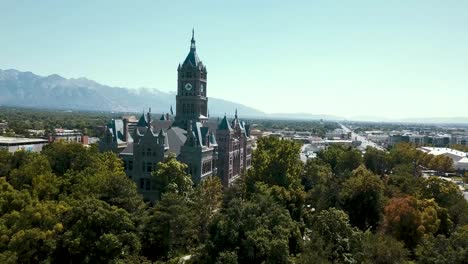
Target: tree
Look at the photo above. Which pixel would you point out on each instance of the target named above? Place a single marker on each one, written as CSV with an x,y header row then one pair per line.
x,y
403,221
6,160
441,163
444,192
12,199
402,184
377,161
95,232
171,229
171,176
258,231
30,235
207,200
382,249
349,160
315,172
362,198
409,220
275,162
403,153
342,159
107,181
441,249
35,175
330,233
64,156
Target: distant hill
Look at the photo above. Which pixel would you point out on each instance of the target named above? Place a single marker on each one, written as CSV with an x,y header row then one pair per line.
x,y
27,89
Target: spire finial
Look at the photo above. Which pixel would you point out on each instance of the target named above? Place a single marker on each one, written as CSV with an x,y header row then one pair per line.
x,y
236,112
192,45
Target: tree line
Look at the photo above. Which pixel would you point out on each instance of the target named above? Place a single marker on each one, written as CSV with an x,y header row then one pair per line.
x,y
71,204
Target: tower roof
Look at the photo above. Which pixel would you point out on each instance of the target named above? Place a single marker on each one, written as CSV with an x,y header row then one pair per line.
x,y
192,58
224,124
142,122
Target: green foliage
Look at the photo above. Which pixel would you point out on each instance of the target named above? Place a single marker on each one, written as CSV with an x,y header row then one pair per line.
x,y
107,181
402,184
275,162
95,231
207,199
258,231
330,233
171,229
22,119
441,249
277,167
382,249
171,176
315,172
342,159
444,192
65,156
362,198
378,161
71,204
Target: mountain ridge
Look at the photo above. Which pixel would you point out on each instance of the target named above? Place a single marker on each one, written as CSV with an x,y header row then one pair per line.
x,y
27,89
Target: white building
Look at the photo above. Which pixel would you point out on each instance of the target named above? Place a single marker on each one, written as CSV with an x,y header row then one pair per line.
x,y
460,158
13,144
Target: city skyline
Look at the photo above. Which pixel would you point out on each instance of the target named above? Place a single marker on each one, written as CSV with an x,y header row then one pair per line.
x,y
392,60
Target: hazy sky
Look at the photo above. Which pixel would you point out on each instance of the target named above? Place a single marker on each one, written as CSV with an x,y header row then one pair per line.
x,y
348,58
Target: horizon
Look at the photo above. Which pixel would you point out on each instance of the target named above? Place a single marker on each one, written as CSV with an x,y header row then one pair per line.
x,y
416,53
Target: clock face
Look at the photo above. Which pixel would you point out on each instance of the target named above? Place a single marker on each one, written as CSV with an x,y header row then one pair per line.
x,y
188,86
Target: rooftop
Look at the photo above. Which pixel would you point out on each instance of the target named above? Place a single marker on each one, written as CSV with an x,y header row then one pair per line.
x,y
5,141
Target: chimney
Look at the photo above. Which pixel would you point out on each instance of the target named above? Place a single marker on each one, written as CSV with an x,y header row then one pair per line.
x,y
125,132
85,140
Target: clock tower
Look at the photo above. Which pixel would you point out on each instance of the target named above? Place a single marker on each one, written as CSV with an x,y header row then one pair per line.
x,y
191,99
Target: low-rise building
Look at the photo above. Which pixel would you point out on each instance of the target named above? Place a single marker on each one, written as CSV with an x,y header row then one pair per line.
x,y
459,158
13,144
68,135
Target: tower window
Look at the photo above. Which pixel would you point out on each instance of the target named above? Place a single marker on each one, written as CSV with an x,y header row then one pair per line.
x,y
147,184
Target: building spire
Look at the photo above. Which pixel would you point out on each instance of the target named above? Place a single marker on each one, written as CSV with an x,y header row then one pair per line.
x,y
192,42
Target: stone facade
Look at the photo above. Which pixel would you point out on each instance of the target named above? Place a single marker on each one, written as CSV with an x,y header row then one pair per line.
x,y
208,147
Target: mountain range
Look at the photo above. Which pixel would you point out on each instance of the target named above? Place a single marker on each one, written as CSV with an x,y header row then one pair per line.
x,y
27,89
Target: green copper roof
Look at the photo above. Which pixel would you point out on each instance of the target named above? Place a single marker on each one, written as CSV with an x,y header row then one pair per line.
x,y
224,124
142,122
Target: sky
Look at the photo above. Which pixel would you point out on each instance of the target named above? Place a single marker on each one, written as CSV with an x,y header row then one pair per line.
x,y
387,58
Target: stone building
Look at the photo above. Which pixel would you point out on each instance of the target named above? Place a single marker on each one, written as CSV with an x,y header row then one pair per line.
x,y
208,147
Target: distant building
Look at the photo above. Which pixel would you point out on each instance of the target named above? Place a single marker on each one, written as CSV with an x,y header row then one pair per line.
x,y
338,134
68,135
459,158
13,144
222,149
3,126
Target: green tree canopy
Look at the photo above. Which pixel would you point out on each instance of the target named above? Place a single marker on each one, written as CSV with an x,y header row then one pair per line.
x,y
362,198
